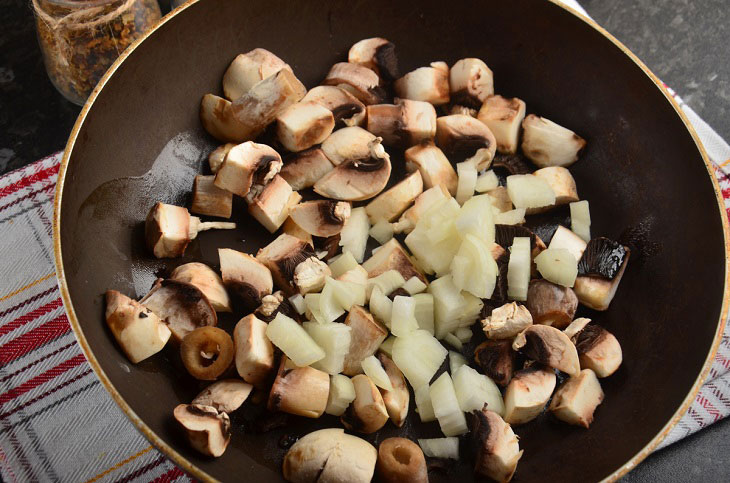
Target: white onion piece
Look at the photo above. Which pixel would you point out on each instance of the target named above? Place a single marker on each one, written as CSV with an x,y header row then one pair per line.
x,y
464,334
453,341
473,269
342,393
473,390
387,346
467,173
512,217
424,407
414,285
381,306
330,307
424,311
564,238
342,264
297,301
475,218
403,316
286,334
518,269
440,447
372,368
311,301
343,293
557,265
470,310
447,303
435,240
418,355
580,219
487,181
529,191
354,235
386,282
456,360
334,339
382,231
446,407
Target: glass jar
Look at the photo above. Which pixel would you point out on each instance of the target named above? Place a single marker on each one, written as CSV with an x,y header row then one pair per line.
x,y
80,39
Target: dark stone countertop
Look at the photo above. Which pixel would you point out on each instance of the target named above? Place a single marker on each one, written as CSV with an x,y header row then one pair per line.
x,y
682,41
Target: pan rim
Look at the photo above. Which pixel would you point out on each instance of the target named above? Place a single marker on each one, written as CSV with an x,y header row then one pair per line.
x,y
200,474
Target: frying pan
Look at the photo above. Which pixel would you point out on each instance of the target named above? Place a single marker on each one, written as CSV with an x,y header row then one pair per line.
x,y
138,140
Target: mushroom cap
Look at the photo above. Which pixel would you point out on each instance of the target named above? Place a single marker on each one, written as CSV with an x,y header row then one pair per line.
x,y
550,346
366,336
561,182
403,124
428,84
401,460
137,329
597,292
216,115
302,391
551,304
357,179
497,448
346,109
216,157
496,359
248,164
301,170
254,352
392,256
249,69
182,306
208,431
433,164
577,398
599,350
470,82
321,218
167,230
358,80
464,138
245,276
272,205
348,144
397,400
207,280
377,54
284,255
504,118
367,413
389,204
527,394
226,396
546,143
304,124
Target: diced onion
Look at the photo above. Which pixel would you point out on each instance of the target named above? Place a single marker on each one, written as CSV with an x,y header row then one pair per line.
x,y
354,235
557,265
473,390
342,393
286,334
529,191
487,181
334,338
382,231
475,218
446,407
518,269
403,316
448,303
456,360
330,306
440,447
580,219
386,281
424,311
512,217
387,346
381,306
372,368
473,269
453,341
297,301
414,285
467,173
418,355
464,334
424,407
342,263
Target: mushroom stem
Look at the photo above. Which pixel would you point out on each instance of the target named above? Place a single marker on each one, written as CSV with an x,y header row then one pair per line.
x,y
196,226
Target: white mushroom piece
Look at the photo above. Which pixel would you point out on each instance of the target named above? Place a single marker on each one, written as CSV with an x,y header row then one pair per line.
x,y
546,143
293,264
566,239
254,352
392,256
292,229
330,455
402,124
600,270
216,157
433,165
396,401
471,82
347,144
346,109
301,170
216,116
428,84
245,277
182,306
496,446
576,399
506,321
389,204
210,200
249,69
550,346
366,335
378,55
225,396
207,352
246,165
496,359
304,124
551,304
367,413
463,138
137,329
561,182
527,394
301,391
208,431
598,350
273,204
322,218
207,280
358,80
400,460
504,118
169,229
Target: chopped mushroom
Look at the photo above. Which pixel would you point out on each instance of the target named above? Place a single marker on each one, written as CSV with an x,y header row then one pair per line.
x,y
358,80
366,335
598,350
496,446
527,394
207,280
254,352
463,138
216,157
392,256
428,84
216,116
550,346
169,229
225,396
293,265
597,291
389,204
246,165
245,276
397,400
208,430
301,170
404,123
136,328
321,218
549,144
210,200
471,83
400,460
304,124
367,413
496,359
507,321
207,352
272,206
576,399
500,199
504,118
575,327
561,182
249,69
301,391
551,304
346,109
182,306
348,144
433,165
291,228
378,55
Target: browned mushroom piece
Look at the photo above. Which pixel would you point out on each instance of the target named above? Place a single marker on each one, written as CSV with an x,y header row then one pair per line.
x,y
169,229
291,228
404,123
600,270
297,390
500,199
550,346
216,116
506,321
293,265
496,359
249,69
551,304
246,165
504,118
346,109
226,396
301,170
576,400
254,352
358,80
367,413
401,460
433,165
272,205
207,280
270,306
527,394
428,84
216,157
207,352
366,335
245,276
471,82
137,329
496,446
378,55
392,256
397,400
210,200
546,143
182,306
389,204
561,182
321,218
208,431
463,138
304,124
598,350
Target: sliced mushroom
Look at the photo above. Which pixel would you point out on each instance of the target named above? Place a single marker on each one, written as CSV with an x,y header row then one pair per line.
x,y
346,109
272,206
358,80
400,460
245,276
208,199
392,256
168,229
433,165
496,446
527,394
366,335
367,413
207,280
378,55
551,304
254,352
321,218
301,170
249,69
246,165
504,118
216,115
225,396
575,327
422,203
500,199
404,123
182,306
550,346
304,124
471,82
216,157
347,144
602,256
561,182
291,228
598,350
576,399
208,430
428,84
507,321
496,359
293,265
564,238
136,328
358,178
207,352
546,143
297,390
396,401
330,455
389,204
463,138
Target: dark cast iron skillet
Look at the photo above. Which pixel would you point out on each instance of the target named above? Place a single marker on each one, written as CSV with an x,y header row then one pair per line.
x,y
138,140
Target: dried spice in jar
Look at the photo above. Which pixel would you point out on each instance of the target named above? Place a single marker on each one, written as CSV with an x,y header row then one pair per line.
x,y
80,39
